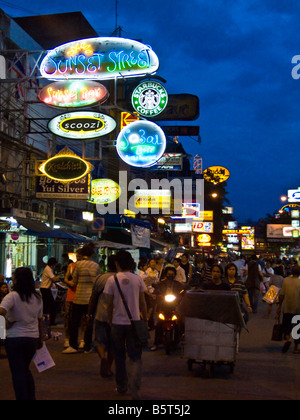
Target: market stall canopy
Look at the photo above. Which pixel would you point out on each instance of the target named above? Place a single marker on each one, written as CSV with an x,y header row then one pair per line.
x,y
59,234
217,306
114,245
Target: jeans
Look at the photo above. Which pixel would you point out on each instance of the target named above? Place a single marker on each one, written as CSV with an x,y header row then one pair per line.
x,y
20,352
123,339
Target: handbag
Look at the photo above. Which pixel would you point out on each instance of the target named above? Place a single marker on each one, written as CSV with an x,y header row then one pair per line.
x,y
140,327
277,334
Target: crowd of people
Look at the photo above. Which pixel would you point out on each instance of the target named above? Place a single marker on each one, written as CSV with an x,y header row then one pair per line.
x,y
95,316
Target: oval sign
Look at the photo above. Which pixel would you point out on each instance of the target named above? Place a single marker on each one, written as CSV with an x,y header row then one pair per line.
x,y
73,93
82,125
65,168
216,174
141,143
104,191
149,98
99,58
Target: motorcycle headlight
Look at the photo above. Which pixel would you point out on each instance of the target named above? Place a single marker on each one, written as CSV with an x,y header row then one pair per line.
x,y
161,316
170,298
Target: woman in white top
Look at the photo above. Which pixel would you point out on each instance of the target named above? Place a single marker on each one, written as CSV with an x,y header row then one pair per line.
x,y
23,311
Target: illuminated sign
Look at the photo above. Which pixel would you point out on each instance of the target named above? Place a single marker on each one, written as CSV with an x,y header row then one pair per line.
x,y
182,227
99,58
190,210
66,166
74,190
159,199
104,191
204,240
294,196
73,93
169,162
149,98
216,174
127,118
82,125
141,143
207,227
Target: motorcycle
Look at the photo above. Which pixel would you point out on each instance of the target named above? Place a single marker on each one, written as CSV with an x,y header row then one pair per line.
x,y
169,326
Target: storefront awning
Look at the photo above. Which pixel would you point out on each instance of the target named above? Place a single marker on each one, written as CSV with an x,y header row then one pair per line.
x,y
114,245
34,225
59,234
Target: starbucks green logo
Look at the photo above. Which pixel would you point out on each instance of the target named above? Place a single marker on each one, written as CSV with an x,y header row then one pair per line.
x,y
149,99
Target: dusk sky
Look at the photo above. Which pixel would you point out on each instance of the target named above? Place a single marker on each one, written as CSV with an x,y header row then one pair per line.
x,y
236,56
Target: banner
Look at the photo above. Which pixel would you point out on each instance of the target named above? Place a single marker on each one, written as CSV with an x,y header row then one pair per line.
x,y
140,236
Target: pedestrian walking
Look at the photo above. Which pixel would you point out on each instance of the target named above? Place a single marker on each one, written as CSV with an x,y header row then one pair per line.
x,y
47,283
289,304
254,278
23,309
83,277
99,313
123,335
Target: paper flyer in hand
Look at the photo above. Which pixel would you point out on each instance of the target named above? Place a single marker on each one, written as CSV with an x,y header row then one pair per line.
x,y
42,359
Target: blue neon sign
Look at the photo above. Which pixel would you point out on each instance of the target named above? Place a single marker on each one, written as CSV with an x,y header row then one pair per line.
x,y
141,143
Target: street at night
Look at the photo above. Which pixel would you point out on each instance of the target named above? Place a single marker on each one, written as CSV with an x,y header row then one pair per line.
x,y
262,372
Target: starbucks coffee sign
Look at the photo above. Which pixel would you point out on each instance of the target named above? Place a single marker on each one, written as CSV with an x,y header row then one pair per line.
x,y
149,98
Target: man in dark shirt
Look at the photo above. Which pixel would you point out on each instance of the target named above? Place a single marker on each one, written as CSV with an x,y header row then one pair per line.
x,y
216,282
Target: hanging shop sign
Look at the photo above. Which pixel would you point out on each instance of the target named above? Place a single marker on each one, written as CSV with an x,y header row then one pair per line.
x,y
207,227
66,166
141,143
294,196
216,174
104,191
73,93
51,189
82,125
99,58
149,98
169,162
204,240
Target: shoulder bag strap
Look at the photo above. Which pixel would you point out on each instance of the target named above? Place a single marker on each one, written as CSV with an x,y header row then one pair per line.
x,y
123,299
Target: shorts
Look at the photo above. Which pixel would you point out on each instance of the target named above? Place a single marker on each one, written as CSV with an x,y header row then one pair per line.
x,y
102,335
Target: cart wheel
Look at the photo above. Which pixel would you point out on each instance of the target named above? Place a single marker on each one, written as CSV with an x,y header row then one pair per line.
x,y
190,364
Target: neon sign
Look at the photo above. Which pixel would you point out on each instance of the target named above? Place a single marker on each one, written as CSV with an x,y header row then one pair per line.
x,y
216,174
66,166
149,98
74,93
141,143
104,191
82,125
99,58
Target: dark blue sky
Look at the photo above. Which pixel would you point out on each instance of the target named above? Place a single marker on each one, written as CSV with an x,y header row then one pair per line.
x,y
235,55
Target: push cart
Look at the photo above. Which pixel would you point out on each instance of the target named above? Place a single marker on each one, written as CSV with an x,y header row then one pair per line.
x,y
213,321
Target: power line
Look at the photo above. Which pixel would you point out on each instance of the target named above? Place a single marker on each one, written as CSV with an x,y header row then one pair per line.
x,y
14,6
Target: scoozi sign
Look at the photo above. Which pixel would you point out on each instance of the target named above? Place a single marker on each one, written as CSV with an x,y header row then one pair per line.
x,y
149,98
141,143
99,58
74,93
82,125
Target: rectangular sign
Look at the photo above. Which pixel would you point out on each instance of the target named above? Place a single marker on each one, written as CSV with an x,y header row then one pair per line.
x,y
181,130
150,199
75,190
169,162
203,227
276,231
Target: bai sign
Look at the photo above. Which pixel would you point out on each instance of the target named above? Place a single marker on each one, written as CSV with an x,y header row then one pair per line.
x,y
74,93
104,191
99,58
141,143
82,125
149,98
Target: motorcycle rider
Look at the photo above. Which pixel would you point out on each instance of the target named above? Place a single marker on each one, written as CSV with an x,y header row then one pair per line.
x,y
168,285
